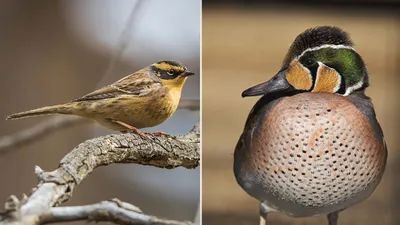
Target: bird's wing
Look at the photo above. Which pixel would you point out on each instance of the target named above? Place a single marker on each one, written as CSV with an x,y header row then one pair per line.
x,y
139,84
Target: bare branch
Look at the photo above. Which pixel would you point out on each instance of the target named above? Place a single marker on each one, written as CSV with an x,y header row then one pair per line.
x,y
57,186
124,39
112,211
190,104
37,131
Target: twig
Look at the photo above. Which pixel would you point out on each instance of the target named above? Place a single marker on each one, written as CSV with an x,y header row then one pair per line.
x,y
57,186
189,104
40,130
124,38
113,211
37,131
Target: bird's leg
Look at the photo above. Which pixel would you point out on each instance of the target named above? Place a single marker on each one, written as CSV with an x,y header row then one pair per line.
x,y
159,133
263,219
264,210
132,129
333,218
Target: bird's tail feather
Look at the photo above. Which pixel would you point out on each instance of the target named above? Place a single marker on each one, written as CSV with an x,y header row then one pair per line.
x,y
47,110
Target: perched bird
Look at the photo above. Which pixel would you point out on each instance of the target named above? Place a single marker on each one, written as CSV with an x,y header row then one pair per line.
x,y
145,98
312,144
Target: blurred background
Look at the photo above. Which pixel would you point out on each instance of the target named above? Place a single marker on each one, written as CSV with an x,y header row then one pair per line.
x,y
57,51
243,44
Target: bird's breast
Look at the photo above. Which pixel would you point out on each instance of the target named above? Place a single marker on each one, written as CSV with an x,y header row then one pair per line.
x,y
310,151
152,110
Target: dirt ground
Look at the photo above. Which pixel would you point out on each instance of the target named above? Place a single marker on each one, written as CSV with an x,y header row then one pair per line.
x,y
243,47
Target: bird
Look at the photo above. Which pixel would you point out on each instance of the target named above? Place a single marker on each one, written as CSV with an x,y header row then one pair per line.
x,y
145,98
312,145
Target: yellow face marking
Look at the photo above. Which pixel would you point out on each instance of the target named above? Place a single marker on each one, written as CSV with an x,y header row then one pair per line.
x,y
165,66
328,80
175,84
175,89
299,76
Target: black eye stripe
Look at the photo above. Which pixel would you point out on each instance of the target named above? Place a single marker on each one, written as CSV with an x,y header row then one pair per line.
x,y
168,74
308,62
342,89
313,71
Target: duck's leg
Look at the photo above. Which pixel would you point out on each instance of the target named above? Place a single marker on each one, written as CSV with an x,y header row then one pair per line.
x,y
264,210
333,218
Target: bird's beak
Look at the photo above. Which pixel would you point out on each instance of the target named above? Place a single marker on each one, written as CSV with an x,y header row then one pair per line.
x,y
275,84
187,73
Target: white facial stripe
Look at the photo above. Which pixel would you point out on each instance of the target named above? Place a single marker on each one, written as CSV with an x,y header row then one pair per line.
x,y
337,87
354,87
325,46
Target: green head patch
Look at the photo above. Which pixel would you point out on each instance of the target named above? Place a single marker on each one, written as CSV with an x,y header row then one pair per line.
x,y
347,63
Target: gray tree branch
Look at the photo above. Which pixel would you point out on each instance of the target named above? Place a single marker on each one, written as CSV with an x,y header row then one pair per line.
x,y
56,187
113,211
37,131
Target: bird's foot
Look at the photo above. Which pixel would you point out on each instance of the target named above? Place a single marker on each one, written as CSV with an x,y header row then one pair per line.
x,y
132,129
138,132
159,133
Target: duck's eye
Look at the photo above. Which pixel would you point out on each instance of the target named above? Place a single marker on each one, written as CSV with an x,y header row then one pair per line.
x,y
309,62
170,72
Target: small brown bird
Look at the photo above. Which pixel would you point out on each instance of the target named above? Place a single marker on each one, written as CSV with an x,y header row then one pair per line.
x,y
145,98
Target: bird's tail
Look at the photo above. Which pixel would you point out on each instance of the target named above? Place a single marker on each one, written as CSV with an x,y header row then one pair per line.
x,y
47,110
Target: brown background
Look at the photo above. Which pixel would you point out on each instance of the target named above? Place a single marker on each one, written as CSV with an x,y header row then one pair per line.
x,y
243,46
42,63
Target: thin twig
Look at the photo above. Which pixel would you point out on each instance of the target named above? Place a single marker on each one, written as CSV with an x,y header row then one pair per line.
x,y
124,38
112,211
189,104
37,131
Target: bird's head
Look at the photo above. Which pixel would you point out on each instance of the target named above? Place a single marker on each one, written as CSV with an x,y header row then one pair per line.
x,y
170,73
321,59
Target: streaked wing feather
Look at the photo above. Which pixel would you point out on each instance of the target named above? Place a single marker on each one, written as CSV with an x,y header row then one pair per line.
x,y
138,83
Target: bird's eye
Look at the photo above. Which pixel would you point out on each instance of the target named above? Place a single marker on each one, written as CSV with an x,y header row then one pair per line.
x,y
309,62
170,72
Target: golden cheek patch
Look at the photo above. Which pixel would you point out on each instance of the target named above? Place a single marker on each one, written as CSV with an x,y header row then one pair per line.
x,y
327,80
299,76
165,66
175,83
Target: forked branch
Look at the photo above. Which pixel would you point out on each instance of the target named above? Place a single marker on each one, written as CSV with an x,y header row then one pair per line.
x,y
56,187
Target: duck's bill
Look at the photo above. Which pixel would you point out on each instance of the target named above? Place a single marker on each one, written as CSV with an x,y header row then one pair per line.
x,y
275,84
